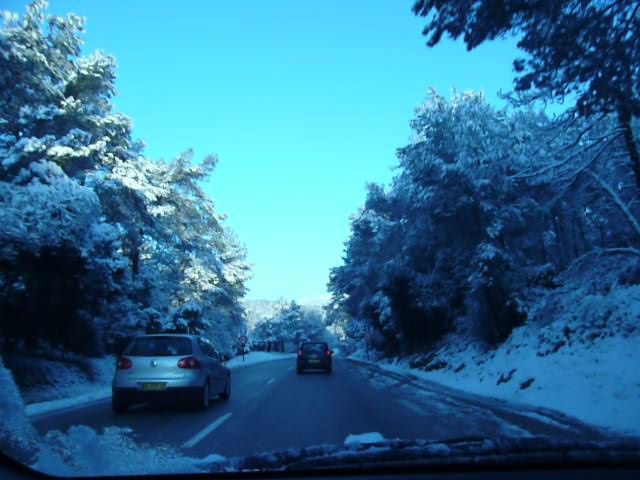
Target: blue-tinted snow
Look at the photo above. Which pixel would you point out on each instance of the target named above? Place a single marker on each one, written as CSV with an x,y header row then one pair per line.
x,y
363,438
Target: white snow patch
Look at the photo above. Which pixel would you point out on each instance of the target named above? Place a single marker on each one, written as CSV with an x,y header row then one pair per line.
x,y
69,382
257,357
577,354
440,449
83,452
42,408
597,383
363,438
545,419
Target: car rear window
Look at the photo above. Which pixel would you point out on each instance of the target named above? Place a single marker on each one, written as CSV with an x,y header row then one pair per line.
x,y
160,347
314,347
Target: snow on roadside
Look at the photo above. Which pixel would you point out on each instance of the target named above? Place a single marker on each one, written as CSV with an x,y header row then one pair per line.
x,y
18,438
40,408
257,357
45,379
81,451
363,438
578,353
598,383
50,385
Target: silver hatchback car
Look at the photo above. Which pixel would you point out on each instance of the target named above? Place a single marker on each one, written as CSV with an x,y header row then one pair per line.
x,y
169,367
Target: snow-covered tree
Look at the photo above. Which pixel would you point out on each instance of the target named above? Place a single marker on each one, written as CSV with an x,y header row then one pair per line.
x,y
588,50
97,242
486,206
291,322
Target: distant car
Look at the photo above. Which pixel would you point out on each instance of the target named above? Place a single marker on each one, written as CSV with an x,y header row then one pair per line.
x,y
169,367
314,355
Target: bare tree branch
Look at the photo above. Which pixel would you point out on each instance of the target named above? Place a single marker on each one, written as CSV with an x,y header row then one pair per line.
x,y
618,201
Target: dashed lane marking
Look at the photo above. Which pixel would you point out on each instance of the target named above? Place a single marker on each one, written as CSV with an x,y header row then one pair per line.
x,y
206,431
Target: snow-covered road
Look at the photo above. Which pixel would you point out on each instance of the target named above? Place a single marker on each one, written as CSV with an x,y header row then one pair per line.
x,y
273,408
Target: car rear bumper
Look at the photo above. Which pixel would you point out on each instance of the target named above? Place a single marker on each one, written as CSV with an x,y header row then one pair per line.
x,y
309,365
170,394
131,389
189,379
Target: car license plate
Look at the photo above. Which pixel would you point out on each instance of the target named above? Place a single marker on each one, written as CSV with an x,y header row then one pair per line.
x,y
153,386
314,361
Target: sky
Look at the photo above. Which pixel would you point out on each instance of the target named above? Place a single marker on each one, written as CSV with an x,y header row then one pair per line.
x,y
303,102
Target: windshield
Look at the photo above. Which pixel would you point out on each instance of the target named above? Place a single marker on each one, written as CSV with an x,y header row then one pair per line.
x,y
159,346
370,232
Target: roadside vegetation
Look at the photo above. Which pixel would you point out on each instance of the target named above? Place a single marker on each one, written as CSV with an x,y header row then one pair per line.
x,y
497,217
97,241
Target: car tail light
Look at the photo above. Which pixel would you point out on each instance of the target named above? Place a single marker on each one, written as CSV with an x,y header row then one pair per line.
x,y
189,362
299,353
328,353
124,363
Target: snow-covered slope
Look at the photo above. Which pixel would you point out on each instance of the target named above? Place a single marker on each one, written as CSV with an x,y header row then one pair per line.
x,y
579,352
47,378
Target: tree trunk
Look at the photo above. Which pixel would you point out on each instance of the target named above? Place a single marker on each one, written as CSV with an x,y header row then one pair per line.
x,y
579,240
585,243
624,116
543,248
559,240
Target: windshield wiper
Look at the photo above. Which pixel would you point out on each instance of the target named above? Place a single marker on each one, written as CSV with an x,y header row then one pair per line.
x,y
459,451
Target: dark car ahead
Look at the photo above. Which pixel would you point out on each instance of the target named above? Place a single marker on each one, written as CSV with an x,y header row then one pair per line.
x,y
170,367
314,355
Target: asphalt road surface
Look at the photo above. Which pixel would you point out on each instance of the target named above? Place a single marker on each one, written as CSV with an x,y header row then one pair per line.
x,y
273,408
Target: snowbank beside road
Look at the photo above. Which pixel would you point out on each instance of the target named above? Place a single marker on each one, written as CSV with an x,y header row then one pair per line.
x,y
40,408
49,383
363,438
578,353
257,357
599,386
46,378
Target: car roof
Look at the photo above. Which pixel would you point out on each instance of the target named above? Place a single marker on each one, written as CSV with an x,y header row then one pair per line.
x,y
314,343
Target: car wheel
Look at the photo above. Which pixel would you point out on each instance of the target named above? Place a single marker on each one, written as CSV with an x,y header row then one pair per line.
x,y
226,393
203,396
299,370
329,369
118,406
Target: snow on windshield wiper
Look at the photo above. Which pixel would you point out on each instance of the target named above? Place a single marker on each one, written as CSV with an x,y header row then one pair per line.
x,y
456,451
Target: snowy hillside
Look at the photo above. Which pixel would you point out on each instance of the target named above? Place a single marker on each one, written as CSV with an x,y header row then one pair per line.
x,y
579,352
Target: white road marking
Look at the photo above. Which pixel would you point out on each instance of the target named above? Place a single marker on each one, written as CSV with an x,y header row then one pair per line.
x,y
413,407
289,369
270,381
203,433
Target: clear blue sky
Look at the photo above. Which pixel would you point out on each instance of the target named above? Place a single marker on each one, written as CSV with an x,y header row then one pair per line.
x,y
304,102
